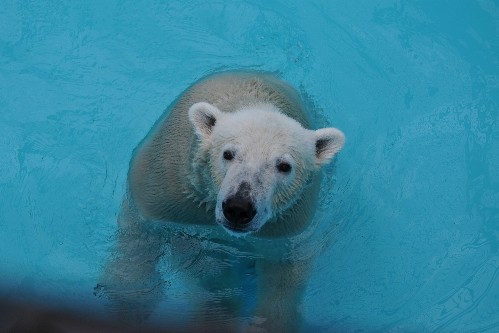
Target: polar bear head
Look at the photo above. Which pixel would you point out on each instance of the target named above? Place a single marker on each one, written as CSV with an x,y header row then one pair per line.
x,y
259,161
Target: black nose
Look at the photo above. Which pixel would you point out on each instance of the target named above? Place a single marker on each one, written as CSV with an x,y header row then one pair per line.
x,y
238,211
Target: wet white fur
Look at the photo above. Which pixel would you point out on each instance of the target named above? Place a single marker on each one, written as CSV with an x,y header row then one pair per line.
x,y
178,178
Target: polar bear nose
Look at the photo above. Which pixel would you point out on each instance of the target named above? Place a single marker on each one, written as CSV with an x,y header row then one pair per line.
x,y
238,210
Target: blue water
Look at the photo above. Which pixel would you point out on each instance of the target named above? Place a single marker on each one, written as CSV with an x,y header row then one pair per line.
x,y
414,211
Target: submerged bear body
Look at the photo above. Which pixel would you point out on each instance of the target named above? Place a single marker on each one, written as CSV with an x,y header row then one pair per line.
x,y
234,154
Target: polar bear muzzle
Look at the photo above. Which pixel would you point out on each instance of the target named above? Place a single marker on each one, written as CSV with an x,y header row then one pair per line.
x,y
238,209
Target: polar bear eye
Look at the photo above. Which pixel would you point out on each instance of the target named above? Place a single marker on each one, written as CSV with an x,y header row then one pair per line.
x,y
228,155
284,167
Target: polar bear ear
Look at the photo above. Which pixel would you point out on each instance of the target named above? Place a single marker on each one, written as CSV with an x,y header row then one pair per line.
x,y
328,141
204,116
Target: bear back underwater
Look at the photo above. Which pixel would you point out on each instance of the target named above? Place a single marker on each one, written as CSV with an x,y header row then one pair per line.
x,y
234,154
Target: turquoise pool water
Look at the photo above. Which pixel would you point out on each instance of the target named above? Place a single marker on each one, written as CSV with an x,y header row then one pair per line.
x,y
414,212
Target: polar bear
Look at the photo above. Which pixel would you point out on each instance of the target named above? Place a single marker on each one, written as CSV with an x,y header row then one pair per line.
x,y
232,156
